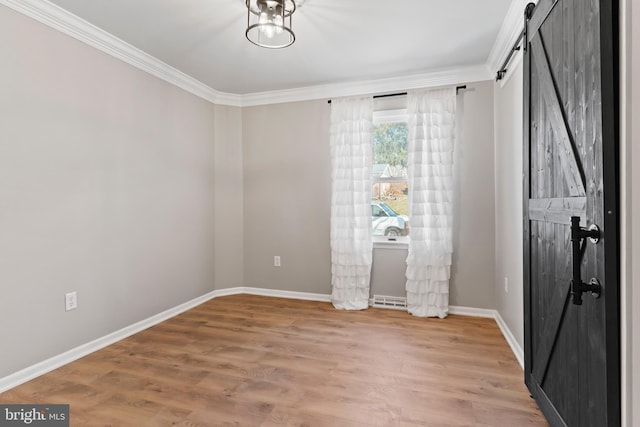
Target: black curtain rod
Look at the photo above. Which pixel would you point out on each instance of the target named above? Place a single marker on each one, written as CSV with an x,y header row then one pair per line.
x,y
458,88
516,47
387,95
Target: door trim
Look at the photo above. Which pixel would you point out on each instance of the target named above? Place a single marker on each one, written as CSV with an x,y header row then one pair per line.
x,y
610,57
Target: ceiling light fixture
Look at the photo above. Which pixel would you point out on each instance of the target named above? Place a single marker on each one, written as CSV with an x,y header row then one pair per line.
x,y
269,23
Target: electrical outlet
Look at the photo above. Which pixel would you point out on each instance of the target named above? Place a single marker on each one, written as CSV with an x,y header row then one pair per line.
x,y
70,301
276,261
506,284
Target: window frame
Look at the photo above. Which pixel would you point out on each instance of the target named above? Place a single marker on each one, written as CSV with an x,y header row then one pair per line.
x,y
381,117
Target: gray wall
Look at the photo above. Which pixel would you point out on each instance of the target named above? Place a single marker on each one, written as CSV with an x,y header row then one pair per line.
x,y
287,194
472,272
228,211
388,272
508,178
105,189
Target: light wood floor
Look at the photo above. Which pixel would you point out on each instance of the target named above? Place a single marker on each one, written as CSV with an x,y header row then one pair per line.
x,y
256,361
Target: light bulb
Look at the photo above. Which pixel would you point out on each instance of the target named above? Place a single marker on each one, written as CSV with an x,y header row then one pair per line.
x,y
278,19
268,30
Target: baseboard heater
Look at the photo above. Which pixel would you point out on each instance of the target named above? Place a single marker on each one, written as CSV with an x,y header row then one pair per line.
x,y
393,303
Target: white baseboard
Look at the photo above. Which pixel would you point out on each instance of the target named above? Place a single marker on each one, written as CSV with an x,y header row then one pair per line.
x,y
458,310
307,296
470,311
228,291
493,314
511,340
76,353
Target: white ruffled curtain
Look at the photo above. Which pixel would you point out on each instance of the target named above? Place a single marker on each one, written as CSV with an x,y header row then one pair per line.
x,y
430,173
351,163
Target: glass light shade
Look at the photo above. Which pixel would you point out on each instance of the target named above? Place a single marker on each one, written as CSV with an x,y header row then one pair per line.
x,y
269,23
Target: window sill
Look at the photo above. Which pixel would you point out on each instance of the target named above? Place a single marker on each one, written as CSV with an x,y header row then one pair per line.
x,y
401,243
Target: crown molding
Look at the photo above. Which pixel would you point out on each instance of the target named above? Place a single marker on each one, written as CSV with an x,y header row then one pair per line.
x,y
67,23
71,25
443,77
509,31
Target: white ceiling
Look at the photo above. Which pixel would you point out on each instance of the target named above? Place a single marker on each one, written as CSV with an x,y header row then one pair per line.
x,y
337,41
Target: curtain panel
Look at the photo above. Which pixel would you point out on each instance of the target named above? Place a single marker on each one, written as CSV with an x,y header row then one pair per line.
x,y
351,163
431,115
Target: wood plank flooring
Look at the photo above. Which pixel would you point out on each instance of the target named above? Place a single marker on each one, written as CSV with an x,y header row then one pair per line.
x,y
246,360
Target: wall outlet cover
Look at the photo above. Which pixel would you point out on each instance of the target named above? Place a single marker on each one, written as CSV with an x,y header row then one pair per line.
x,y
70,301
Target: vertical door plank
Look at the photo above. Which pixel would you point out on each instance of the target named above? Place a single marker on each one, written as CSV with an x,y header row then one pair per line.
x,y
572,171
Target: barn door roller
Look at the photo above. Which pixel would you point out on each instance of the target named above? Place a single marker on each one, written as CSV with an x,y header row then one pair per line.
x,y
578,235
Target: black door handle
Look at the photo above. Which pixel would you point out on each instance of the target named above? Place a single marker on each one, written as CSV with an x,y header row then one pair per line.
x,y
578,235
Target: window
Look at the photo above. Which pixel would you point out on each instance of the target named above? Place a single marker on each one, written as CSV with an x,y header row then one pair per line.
x,y
390,192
